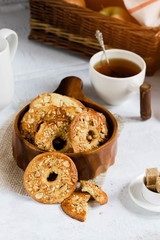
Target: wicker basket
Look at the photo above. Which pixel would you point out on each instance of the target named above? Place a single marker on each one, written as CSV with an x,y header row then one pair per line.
x,y
67,26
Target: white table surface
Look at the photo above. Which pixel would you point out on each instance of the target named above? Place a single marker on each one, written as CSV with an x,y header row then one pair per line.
x,y
39,68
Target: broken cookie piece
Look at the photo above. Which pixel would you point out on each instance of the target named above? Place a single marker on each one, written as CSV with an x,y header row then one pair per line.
x,y
96,192
75,206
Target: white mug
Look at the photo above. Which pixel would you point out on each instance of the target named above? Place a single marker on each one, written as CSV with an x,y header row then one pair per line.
x,y
113,90
8,47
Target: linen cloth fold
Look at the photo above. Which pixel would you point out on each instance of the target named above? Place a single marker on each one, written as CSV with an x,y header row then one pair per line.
x,y
146,12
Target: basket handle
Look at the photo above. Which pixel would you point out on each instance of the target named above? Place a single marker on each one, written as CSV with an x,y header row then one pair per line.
x,y
72,86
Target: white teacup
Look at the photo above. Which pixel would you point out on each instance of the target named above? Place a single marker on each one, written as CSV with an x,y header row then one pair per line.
x,y
8,46
113,90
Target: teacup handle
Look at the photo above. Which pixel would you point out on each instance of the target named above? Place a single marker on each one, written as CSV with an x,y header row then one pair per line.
x,y
12,40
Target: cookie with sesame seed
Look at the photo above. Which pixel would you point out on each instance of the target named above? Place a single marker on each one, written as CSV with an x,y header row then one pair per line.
x,y
95,191
55,99
88,130
53,136
50,177
75,206
35,116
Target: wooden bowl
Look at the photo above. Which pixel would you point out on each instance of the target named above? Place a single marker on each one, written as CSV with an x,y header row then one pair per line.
x,y
89,164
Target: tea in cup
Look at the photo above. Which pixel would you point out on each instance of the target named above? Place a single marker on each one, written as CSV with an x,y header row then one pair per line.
x,y
8,46
116,81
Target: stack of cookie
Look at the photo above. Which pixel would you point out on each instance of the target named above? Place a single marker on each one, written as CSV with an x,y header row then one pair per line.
x,y
59,124
63,124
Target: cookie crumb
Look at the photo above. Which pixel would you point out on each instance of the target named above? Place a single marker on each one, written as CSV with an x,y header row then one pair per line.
x,y
100,213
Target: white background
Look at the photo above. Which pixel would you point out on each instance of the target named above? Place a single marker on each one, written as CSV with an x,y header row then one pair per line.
x,y
4,2
38,68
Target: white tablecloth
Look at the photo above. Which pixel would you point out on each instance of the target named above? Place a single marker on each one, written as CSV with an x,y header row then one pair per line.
x,y
38,68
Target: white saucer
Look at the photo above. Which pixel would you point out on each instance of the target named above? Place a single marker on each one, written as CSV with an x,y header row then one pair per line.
x,y
135,192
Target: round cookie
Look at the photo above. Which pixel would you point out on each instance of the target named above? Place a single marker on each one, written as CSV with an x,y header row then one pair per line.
x,y
53,136
35,116
87,131
50,177
32,119
55,99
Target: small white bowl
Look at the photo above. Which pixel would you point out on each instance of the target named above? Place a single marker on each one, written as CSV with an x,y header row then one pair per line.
x,y
135,192
149,195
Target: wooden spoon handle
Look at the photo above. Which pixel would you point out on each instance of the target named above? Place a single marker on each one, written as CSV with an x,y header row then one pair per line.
x,y
72,86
